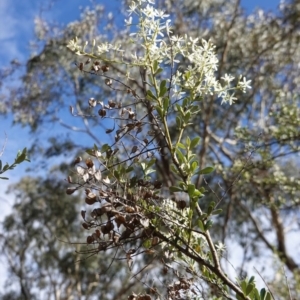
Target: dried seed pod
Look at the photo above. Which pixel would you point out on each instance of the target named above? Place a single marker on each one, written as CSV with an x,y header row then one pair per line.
x,y
108,82
83,214
92,102
70,191
129,209
134,149
111,103
90,201
77,160
157,184
90,239
102,112
181,204
95,68
80,66
85,226
89,163
105,68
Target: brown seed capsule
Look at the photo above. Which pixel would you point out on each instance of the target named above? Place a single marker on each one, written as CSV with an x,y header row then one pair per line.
x,y
90,201
105,68
77,160
85,226
102,112
89,163
108,81
90,239
70,191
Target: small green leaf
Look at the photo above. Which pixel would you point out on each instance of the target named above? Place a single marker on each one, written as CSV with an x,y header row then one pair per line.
x,y
20,158
155,65
191,190
105,147
159,70
249,289
217,211
128,170
0,165
174,189
178,122
180,156
5,178
6,167
150,94
268,296
244,286
188,142
207,170
162,88
166,103
195,142
182,146
200,225
160,111
262,293
208,224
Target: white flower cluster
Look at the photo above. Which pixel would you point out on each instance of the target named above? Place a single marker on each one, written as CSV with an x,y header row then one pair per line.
x,y
160,46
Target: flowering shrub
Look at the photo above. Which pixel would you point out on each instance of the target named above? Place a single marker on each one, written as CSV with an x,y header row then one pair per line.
x,y
163,78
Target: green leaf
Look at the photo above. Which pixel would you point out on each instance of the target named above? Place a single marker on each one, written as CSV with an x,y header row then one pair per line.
x,y
252,279
188,142
268,296
128,170
217,211
178,122
0,165
20,158
180,156
195,142
208,224
194,166
238,297
244,286
182,146
5,178
191,190
6,167
160,111
206,170
201,225
198,194
262,293
174,189
155,65
105,147
162,88
166,103
150,94
159,70
249,289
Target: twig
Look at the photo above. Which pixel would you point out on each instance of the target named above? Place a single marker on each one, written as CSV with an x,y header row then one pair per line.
x,y
287,283
265,283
